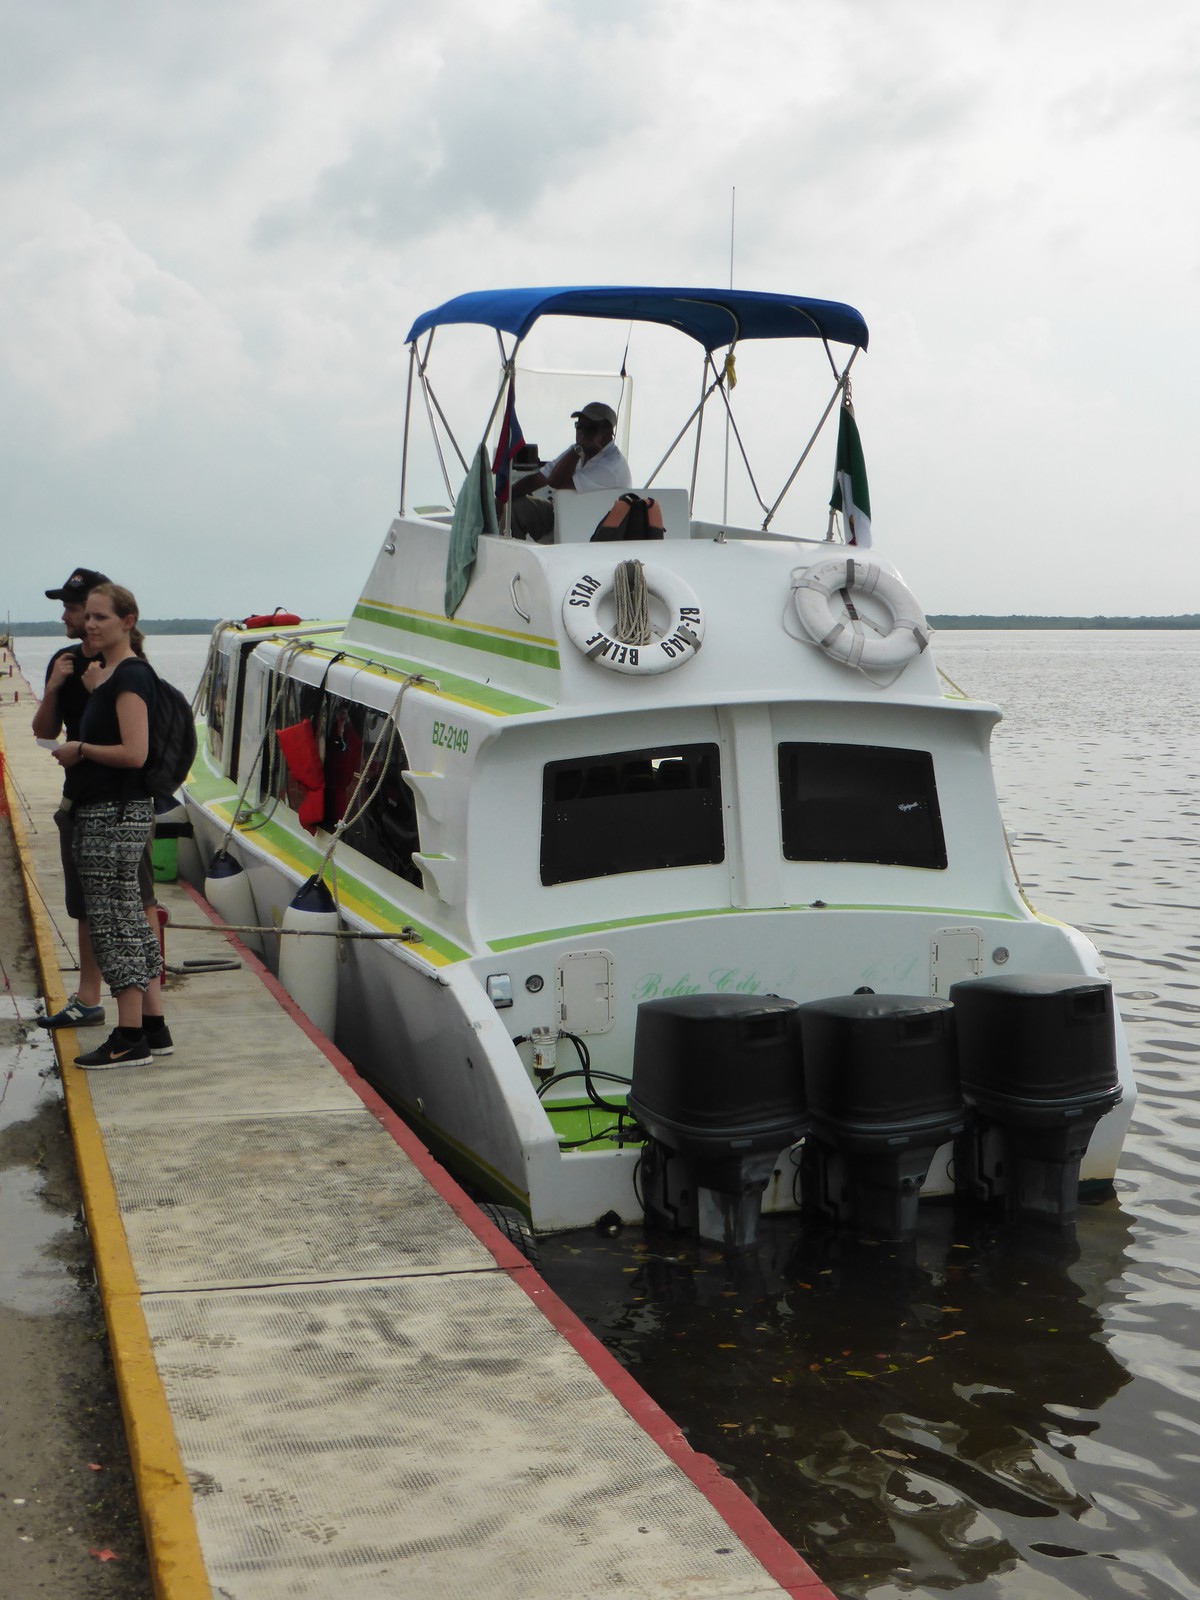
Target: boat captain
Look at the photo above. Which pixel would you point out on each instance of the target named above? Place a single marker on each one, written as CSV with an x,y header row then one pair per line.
x,y
594,461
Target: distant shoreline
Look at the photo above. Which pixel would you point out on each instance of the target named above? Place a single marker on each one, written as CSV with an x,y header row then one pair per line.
x,y
43,630
1067,624
936,620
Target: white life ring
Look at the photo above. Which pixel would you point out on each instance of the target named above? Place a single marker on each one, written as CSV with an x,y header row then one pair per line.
x,y
830,626
667,650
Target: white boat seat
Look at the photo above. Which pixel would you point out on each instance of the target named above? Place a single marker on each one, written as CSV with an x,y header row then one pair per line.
x,y
577,513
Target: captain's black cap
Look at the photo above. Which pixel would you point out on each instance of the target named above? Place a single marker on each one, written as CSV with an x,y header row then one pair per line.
x,y
77,585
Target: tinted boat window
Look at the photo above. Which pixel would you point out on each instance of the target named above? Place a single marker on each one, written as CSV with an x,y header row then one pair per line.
x,y
300,702
218,695
387,830
633,811
849,802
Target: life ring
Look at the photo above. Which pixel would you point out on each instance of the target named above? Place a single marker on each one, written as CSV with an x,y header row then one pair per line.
x,y
829,626
667,650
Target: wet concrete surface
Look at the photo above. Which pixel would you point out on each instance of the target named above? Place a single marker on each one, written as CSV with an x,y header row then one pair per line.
x,y
70,1526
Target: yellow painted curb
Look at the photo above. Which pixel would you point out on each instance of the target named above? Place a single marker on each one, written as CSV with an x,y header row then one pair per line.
x,y
164,1496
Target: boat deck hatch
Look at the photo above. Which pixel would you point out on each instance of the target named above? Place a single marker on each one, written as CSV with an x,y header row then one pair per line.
x,y
585,991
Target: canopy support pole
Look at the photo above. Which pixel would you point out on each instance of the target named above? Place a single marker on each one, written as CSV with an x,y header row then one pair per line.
x,y
833,400
412,362
432,405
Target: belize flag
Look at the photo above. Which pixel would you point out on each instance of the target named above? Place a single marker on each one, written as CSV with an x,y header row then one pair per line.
x,y
510,442
850,493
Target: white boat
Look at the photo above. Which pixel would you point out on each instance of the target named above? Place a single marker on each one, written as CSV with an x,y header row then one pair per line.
x,y
534,824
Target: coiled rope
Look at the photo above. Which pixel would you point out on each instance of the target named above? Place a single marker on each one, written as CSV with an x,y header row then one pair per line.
x,y
632,600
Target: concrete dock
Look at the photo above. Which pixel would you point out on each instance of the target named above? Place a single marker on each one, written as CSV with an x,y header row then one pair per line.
x,y
337,1377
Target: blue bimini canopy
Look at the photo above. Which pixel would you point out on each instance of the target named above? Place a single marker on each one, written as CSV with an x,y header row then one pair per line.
x,y
713,317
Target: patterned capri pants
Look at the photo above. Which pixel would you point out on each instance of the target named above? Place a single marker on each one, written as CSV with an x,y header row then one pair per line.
x,y
109,840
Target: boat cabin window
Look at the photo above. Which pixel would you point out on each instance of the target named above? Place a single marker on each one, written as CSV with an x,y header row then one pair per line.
x,y
849,802
218,697
387,830
347,737
632,811
300,702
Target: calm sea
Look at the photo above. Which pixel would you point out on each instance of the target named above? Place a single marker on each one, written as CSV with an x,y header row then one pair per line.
x,y
177,656
986,1414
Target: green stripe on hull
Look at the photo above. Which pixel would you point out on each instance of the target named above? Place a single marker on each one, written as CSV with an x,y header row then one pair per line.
x,y
460,633
451,685
544,935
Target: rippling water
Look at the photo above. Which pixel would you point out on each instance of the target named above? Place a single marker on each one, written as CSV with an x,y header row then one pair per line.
x,y
988,1413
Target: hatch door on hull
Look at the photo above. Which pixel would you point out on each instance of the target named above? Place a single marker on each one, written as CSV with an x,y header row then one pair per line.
x,y
585,991
954,953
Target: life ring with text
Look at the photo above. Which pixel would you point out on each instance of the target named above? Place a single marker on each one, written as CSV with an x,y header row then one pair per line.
x,y
829,620
667,650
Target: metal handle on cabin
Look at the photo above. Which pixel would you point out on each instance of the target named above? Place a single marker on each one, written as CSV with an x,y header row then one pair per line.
x,y
512,589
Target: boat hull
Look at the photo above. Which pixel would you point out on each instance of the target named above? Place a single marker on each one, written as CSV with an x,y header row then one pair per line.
x,y
434,1044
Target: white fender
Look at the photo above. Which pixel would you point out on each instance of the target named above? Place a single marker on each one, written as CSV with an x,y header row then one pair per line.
x,y
308,966
679,643
227,890
829,625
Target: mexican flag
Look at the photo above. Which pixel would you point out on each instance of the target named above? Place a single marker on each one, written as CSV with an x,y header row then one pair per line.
x,y
850,493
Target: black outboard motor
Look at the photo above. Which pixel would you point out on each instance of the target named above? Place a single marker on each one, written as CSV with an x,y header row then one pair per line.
x,y
1039,1065
718,1085
883,1093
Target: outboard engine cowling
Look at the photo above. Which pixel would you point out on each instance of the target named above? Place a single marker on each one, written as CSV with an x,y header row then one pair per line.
x,y
719,1086
881,1072
1038,1057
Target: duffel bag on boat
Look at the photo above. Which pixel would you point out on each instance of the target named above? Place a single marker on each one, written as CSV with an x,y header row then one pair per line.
x,y
632,517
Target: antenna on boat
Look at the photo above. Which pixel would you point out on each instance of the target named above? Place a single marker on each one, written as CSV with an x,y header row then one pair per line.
x,y
729,355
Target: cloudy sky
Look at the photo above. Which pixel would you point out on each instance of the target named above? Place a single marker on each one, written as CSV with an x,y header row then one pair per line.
x,y
218,222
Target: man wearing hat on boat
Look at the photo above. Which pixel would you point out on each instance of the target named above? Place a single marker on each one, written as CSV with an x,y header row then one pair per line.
x,y
593,462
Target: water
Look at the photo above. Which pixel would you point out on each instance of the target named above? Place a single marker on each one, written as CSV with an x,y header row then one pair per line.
x,y
987,1414
990,1415
179,657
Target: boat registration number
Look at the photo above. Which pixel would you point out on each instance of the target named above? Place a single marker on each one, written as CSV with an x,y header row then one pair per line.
x,y
450,737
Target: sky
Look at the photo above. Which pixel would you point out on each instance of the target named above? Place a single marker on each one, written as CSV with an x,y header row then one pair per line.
x,y
218,222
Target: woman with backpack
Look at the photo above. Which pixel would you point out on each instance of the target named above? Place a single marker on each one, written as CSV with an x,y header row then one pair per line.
x,y
107,791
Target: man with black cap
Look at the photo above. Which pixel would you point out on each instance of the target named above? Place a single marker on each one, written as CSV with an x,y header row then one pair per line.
x,y
594,461
61,708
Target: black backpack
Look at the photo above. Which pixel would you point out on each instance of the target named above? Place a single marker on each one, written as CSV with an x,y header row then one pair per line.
x,y
630,518
172,740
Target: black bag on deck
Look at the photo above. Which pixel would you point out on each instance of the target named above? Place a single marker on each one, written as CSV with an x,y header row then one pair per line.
x,y
631,517
172,740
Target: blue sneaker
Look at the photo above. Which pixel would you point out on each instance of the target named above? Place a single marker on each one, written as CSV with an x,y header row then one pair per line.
x,y
74,1015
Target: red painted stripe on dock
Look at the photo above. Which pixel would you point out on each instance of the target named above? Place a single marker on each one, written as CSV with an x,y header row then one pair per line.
x,y
785,1565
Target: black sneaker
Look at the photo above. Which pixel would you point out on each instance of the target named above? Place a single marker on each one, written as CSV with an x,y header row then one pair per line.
x,y
159,1039
74,1015
117,1051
